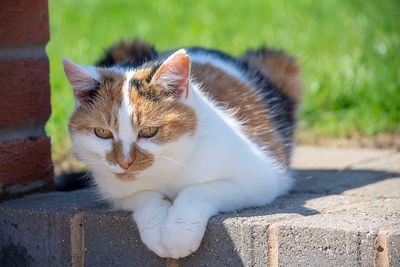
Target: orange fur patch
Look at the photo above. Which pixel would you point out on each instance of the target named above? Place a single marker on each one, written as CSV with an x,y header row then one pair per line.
x,y
248,106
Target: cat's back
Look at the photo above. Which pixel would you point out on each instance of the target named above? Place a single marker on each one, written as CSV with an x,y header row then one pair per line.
x,y
265,110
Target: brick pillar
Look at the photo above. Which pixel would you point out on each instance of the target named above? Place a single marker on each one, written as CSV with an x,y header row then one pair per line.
x,y
25,157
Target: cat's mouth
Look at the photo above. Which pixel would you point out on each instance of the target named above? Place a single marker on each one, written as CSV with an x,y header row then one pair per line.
x,y
126,176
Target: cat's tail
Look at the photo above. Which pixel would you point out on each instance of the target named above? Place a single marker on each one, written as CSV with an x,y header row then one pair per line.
x,y
280,68
135,51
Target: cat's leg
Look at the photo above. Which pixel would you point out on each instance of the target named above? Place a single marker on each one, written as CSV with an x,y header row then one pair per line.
x,y
187,218
150,210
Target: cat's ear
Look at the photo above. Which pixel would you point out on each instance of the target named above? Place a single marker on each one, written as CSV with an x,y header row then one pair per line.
x,y
174,74
84,80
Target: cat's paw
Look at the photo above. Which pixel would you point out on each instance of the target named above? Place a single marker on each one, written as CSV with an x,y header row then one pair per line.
x,y
181,234
152,239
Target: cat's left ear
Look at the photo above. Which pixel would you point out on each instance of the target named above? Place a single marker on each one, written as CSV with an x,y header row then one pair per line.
x,y
174,74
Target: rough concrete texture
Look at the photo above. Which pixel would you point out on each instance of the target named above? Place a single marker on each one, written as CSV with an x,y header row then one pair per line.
x,y
344,237
331,218
325,158
389,163
36,230
393,246
112,239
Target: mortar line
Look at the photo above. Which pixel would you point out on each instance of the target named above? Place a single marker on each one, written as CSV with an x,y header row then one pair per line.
x,y
77,240
272,246
26,51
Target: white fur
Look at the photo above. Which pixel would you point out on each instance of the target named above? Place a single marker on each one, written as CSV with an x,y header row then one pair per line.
x,y
218,169
125,132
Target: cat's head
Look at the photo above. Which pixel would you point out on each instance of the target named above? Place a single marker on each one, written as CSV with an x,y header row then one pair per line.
x,y
130,121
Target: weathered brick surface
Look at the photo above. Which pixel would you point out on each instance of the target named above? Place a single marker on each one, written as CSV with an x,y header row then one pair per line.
x,y
23,21
24,90
24,161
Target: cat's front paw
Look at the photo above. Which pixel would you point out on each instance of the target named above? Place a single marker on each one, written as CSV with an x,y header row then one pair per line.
x,y
182,235
152,239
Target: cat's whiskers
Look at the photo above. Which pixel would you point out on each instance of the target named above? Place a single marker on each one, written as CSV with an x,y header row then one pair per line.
x,y
172,160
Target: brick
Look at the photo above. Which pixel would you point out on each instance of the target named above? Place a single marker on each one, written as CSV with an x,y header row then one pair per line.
x,y
23,21
24,84
24,161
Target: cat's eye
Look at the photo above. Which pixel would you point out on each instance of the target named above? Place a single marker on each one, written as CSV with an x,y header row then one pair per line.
x,y
103,133
148,132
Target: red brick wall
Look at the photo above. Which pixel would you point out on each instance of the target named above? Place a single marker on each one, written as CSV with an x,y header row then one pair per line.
x,y
25,159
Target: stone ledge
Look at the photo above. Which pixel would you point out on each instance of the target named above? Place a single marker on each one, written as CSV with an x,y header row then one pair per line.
x,y
65,228
346,217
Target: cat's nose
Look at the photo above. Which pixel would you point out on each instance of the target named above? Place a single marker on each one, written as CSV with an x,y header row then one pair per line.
x,y
125,163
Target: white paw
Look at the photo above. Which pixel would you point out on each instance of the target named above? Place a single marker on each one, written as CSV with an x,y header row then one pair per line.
x,y
181,234
149,220
152,239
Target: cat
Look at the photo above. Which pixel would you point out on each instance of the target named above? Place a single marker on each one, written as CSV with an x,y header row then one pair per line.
x,y
180,136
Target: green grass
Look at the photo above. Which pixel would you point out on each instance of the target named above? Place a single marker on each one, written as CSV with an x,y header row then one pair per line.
x,y
349,50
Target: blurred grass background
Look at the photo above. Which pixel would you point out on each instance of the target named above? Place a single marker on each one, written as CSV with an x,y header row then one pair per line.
x,y
349,51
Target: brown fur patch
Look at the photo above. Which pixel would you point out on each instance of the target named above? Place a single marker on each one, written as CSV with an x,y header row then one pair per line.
x,y
249,107
281,69
174,118
103,110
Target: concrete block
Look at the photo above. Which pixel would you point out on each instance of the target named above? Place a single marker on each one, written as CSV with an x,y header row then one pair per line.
x,y
387,246
112,239
38,230
393,247
344,236
63,229
242,238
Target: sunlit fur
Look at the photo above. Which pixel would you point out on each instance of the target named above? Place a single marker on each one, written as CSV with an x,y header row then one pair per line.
x,y
204,159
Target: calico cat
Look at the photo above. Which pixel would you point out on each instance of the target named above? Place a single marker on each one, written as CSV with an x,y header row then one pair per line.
x,y
180,136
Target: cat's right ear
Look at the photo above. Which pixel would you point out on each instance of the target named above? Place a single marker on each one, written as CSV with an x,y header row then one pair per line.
x,y
84,80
